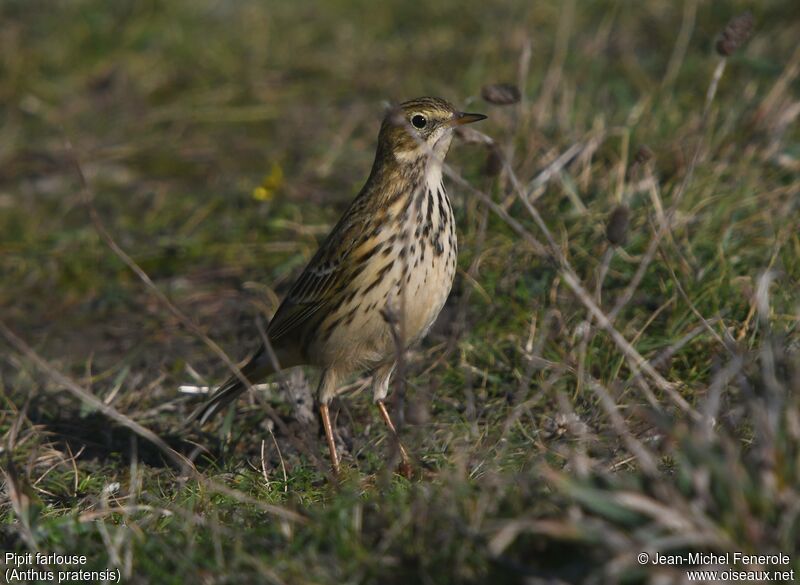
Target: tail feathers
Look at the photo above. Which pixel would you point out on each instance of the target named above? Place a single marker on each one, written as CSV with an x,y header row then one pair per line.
x,y
232,388
223,396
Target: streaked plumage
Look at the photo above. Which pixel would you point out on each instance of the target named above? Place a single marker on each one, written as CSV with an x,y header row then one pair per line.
x,y
385,268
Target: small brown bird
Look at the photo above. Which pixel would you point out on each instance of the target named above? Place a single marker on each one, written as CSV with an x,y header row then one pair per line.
x,y
382,275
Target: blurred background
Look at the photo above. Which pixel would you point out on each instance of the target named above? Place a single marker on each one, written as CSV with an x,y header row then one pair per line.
x,y
220,142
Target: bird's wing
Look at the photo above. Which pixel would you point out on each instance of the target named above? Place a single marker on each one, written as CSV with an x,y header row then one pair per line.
x,y
333,266
315,287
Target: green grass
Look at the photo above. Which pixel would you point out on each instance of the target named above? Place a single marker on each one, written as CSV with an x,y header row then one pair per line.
x,y
222,140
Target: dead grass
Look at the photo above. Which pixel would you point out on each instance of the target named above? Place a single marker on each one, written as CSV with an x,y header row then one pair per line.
x,y
579,402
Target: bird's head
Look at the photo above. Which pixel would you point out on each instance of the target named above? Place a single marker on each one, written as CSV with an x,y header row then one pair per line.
x,y
421,127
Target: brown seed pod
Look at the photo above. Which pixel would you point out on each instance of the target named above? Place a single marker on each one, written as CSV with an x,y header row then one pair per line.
x,y
494,161
617,225
643,155
501,94
735,34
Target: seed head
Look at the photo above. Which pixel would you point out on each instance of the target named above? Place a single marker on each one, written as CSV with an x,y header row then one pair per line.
x,y
494,161
735,34
643,155
501,94
617,225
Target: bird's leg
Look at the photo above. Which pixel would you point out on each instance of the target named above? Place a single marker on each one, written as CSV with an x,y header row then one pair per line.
x,y
405,466
325,393
326,423
381,380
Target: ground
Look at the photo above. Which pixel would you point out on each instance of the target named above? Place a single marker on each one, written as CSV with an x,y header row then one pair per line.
x,y
615,373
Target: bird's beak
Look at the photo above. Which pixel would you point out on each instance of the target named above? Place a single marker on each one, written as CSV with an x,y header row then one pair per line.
x,y
462,118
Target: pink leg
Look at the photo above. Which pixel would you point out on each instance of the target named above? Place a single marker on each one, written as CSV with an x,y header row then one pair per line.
x,y
326,423
405,465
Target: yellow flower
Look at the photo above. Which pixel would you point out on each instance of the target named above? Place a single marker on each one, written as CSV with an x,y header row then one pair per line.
x,y
266,190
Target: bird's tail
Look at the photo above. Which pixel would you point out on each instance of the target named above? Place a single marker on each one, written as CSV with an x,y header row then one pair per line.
x,y
256,369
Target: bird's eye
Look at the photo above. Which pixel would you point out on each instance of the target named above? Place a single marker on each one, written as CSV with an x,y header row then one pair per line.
x,y
419,121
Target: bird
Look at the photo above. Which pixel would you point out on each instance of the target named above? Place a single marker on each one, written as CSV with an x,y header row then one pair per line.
x,y
380,278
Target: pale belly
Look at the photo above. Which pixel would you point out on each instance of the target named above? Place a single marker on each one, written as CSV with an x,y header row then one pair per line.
x,y
399,298
392,314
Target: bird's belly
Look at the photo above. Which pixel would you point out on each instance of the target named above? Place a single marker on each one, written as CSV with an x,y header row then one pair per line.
x,y
424,295
396,295
403,305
